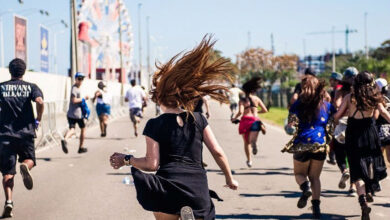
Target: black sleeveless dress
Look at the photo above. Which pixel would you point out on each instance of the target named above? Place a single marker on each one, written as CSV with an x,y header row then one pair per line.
x,y
181,179
364,152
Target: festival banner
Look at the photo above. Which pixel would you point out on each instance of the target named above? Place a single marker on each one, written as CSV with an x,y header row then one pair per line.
x,y
20,37
44,50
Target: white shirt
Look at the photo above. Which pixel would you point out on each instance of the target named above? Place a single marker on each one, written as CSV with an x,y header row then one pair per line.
x,y
234,95
135,95
107,98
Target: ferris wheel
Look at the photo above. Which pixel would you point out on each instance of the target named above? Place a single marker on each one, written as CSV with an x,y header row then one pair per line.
x,y
100,22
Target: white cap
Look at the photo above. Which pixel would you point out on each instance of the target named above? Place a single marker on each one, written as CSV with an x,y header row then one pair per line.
x,y
381,83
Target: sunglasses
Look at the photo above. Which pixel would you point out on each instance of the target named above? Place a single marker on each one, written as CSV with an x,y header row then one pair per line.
x,y
80,78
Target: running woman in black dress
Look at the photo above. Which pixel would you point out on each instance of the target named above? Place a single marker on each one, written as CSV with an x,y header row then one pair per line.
x,y
174,140
367,166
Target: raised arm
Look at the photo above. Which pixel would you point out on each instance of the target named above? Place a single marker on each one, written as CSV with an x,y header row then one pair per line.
x,y
240,111
219,156
149,163
206,103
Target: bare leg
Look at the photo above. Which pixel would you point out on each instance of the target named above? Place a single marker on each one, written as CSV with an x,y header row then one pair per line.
x,y
314,177
301,171
360,187
8,186
30,163
69,133
82,136
253,135
387,149
101,123
247,149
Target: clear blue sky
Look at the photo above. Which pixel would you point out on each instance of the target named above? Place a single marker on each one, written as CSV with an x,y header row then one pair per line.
x,y
176,25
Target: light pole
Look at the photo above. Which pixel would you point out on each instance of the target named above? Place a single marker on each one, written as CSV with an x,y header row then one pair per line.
x,y
74,65
365,35
148,52
139,39
333,51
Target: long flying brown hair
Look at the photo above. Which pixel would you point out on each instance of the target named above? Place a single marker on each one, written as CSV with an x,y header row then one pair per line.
x,y
311,98
365,94
181,82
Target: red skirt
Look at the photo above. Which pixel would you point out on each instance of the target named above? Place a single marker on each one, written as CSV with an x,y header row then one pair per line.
x,y
246,124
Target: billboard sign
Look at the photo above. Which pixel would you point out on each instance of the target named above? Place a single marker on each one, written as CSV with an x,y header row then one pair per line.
x,y
20,37
44,49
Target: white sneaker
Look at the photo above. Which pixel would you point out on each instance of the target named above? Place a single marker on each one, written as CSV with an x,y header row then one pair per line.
x,y
249,164
186,213
7,213
343,180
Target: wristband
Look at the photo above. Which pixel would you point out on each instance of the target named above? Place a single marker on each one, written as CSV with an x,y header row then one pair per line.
x,y
127,159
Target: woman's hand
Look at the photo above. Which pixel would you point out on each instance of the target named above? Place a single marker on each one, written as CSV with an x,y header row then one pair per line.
x,y
117,160
232,184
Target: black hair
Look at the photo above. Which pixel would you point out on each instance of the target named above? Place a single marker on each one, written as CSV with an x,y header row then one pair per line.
x,y
310,71
17,67
132,82
252,85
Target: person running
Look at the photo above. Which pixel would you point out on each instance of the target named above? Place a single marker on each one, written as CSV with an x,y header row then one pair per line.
x,y
335,83
382,124
199,106
234,99
311,114
367,166
250,124
339,146
298,86
135,96
103,107
174,140
75,115
17,129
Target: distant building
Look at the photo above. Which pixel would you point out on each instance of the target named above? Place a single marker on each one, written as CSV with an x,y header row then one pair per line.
x,y
317,63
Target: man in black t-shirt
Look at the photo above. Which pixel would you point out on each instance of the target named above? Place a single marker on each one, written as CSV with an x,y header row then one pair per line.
x,y
17,129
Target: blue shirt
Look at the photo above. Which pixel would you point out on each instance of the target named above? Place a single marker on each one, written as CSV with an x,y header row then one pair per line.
x,y
315,131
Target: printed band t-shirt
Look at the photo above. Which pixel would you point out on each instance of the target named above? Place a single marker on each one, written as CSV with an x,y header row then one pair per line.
x,y
135,95
74,110
16,116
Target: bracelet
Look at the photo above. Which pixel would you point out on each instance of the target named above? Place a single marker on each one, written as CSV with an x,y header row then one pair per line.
x,y
127,158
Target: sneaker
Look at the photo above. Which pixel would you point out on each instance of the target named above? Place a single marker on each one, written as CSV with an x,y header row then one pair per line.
x,y
343,180
366,213
331,162
186,213
64,147
136,134
82,150
254,148
103,134
7,213
302,202
352,192
27,178
249,163
316,209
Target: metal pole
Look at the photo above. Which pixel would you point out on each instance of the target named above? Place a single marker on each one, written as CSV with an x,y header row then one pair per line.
x,y
333,52
346,40
148,51
272,44
139,39
249,39
2,42
73,42
365,35
120,46
304,47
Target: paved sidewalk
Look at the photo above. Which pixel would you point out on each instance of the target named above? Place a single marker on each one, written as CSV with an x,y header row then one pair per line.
x,y
84,186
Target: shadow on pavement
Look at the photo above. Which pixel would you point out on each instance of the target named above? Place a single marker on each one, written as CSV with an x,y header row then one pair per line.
x,y
264,174
49,159
281,217
383,205
292,194
106,138
119,174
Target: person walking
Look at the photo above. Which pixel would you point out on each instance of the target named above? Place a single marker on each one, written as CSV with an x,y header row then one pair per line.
x,y
250,125
382,125
135,96
199,106
367,165
103,107
311,115
17,129
174,140
234,99
75,115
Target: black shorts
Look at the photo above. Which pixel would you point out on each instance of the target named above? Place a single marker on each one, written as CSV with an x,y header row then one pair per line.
x,y
135,112
306,156
10,148
233,106
72,123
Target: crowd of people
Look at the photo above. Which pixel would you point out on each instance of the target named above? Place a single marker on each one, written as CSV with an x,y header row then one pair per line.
x,y
350,124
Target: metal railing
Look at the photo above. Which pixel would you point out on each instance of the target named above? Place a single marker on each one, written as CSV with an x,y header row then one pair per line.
x,y
54,122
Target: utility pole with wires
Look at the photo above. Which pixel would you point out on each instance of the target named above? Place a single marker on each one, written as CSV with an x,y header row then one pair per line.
x,y
148,52
272,44
365,36
249,39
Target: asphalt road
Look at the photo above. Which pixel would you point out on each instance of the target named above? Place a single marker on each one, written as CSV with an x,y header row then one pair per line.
x,y
84,186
